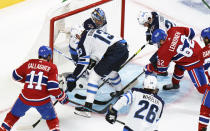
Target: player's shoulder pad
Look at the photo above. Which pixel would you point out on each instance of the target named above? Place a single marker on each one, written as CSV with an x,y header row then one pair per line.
x,y
137,90
143,91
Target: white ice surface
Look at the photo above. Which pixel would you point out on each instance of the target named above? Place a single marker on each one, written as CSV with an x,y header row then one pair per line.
x,y
20,25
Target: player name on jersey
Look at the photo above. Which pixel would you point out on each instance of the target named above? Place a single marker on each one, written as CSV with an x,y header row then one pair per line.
x,y
174,41
206,53
151,98
38,66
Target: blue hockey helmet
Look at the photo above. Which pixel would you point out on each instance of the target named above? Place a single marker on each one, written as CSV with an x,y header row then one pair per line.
x,y
98,17
205,33
45,51
158,35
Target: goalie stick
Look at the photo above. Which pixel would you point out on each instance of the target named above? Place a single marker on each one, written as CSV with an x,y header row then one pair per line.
x,y
78,96
121,92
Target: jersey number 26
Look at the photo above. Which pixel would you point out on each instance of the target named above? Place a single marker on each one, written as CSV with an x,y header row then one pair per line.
x,y
150,111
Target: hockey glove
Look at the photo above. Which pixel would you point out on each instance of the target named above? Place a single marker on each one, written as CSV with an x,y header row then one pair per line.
x,y
111,115
62,98
154,60
92,64
147,70
71,82
149,37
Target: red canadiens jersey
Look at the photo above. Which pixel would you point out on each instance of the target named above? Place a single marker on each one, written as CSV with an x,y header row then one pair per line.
x,y
205,56
180,49
40,81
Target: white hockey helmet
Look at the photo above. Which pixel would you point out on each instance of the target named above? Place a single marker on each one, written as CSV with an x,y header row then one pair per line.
x,y
75,34
143,17
150,82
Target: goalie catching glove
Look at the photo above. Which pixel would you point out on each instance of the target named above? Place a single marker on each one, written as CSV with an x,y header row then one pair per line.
x,y
111,115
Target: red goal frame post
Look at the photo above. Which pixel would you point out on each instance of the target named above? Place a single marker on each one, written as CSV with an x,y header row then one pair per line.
x,y
56,18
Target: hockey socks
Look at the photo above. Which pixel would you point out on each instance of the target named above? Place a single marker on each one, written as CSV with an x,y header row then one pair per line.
x,y
9,121
53,124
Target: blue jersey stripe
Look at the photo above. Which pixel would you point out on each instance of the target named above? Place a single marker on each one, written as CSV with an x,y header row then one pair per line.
x,y
16,76
52,85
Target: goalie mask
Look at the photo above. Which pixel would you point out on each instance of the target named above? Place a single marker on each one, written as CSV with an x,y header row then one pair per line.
x,y
98,17
150,82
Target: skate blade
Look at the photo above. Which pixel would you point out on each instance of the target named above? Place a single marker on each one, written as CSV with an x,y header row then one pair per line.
x,y
84,114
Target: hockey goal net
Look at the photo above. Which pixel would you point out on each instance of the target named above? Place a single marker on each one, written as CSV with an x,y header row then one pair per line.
x,y
75,12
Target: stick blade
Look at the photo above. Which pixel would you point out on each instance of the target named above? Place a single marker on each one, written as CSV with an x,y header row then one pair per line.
x,y
19,128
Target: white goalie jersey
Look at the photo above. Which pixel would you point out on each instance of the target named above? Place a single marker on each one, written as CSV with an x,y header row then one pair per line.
x,y
145,109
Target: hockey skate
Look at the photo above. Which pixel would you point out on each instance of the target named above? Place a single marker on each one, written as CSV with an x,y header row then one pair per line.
x,y
171,86
83,111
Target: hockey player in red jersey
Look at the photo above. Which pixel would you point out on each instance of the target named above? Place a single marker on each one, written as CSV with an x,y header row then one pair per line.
x,y
177,47
205,34
205,107
40,81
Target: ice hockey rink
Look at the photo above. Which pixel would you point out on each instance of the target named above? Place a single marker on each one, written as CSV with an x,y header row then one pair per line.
x,y
20,27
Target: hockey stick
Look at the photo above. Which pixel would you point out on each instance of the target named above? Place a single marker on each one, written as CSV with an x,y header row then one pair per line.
x,y
123,123
121,92
118,94
78,96
103,111
59,52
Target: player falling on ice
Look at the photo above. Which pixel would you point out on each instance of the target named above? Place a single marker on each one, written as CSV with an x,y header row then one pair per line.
x,y
40,81
145,109
177,47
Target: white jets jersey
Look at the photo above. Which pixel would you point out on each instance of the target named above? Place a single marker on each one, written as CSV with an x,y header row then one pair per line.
x,y
145,109
93,45
165,24
160,22
97,42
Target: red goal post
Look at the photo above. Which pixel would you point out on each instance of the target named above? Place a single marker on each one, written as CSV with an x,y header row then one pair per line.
x,y
76,11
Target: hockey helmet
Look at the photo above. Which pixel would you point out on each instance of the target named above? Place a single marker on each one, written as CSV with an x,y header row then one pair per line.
x,y
75,34
45,51
205,33
98,17
150,82
143,17
158,35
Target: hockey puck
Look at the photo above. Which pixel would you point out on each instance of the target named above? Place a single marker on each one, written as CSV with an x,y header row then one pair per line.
x,y
80,86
